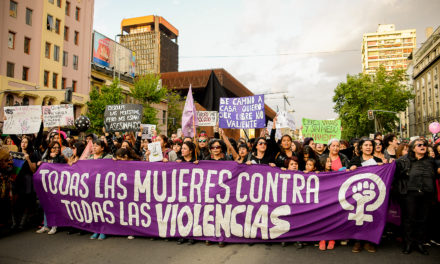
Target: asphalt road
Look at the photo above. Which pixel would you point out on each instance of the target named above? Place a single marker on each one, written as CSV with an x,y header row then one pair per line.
x,y
28,247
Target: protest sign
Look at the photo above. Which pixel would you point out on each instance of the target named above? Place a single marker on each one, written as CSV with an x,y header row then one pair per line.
x,y
58,115
242,112
321,130
215,200
179,133
123,117
269,127
207,118
22,119
148,131
155,152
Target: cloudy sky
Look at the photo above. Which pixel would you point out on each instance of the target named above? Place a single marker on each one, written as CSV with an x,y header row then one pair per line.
x,y
303,48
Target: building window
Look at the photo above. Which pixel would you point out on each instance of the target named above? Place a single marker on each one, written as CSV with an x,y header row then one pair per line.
x,y
164,117
65,56
47,50
63,83
27,45
25,76
46,79
9,100
13,8
76,37
75,62
54,80
59,3
77,10
25,101
56,53
66,33
28,16
11,40
50,24
74,85
10,69
51,1
67,8
57,26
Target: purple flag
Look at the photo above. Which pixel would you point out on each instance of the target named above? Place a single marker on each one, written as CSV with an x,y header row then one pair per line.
x,y
215,200
189,116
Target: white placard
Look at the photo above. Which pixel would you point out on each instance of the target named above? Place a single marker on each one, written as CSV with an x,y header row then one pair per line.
x,y
148,131
179,133
58,115
22,119
207,118
155,152
285,120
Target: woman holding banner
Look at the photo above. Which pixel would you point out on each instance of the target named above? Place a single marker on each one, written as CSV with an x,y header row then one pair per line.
x,y
168,154
54,156
99,152
260,153
366,150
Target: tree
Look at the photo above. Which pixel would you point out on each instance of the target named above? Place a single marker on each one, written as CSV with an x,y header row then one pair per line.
x,y
148,90
175,109
99,98
363,92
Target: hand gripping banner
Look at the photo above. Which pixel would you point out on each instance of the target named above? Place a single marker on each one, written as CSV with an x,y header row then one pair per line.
x,y
215,200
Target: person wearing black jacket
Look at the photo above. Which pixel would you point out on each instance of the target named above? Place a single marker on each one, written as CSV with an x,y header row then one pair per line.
x,y
414,180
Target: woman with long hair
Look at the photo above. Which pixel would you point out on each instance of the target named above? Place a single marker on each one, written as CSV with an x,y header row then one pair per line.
x,y
54,156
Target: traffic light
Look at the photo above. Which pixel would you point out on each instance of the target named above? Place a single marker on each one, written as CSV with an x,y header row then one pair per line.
x,y
370,115
68,94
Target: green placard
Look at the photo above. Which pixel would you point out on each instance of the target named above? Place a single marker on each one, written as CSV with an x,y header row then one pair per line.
x,y
321,130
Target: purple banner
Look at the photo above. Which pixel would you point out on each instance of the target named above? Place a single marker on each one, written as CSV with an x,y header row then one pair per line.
x,y
215,200
242,112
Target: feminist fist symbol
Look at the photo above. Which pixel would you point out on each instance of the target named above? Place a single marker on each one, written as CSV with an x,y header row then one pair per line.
x,y
362,194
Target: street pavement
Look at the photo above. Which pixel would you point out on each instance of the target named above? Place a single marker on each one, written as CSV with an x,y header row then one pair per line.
x,y
29,247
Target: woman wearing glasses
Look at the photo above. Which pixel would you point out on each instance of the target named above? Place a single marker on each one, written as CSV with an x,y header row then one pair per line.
x,y
260,153
378,150
203,146
414,180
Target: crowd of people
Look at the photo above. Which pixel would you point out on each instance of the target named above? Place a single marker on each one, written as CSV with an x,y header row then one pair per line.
x,y
414,186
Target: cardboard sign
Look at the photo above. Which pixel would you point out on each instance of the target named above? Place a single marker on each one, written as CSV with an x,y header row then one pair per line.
x,y
123,117
22,119
242,112
207,118
58,115
155,152
148,131
321,130
285,120
179,133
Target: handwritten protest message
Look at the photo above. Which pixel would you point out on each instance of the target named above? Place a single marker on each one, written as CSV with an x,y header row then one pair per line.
x,y
22,119
242,112
123,117
207,118
155,152
148,131
58,115
217,201
285,120
321,130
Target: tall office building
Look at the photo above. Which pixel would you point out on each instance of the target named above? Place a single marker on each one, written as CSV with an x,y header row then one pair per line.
x,y
388,47
154,41
45,49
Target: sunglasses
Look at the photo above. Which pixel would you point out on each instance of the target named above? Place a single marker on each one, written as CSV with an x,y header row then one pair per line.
x,y
420,145
262,143
202,140
216,147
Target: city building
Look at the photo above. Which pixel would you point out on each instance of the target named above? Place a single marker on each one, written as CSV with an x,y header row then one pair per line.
x,y
426,83
388,47
154,40
45,49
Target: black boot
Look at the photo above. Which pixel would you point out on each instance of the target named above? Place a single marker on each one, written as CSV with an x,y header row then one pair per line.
x,y
406,248
421,249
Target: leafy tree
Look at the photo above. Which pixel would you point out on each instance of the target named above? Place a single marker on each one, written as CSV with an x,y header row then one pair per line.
x,y
363,92
175,109
99,98
147,90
